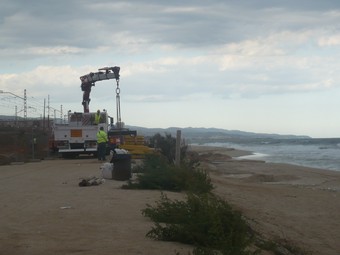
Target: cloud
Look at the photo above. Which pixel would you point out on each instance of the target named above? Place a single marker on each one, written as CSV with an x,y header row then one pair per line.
x,y
170,52
136,26
43,81
332,40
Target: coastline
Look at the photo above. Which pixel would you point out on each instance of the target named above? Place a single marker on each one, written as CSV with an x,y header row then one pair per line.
x,y
247,155
281,201
227,151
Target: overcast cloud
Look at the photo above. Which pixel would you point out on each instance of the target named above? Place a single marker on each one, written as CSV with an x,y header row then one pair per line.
x,y
262,66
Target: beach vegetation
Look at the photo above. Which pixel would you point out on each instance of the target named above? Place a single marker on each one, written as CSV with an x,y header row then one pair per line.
x,y
204,220
166,145
157,173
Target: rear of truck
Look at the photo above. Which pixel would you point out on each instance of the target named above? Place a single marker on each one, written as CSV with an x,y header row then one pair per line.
x,y
79,135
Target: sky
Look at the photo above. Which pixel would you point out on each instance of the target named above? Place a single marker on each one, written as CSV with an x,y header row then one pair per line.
x,y
264,66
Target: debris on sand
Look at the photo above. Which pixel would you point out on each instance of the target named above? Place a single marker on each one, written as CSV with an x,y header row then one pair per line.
x,y
90,181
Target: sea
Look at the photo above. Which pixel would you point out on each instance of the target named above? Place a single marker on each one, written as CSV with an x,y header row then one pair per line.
x,y
322,153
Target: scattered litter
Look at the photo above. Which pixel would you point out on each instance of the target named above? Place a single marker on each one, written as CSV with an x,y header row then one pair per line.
x,y
90,181
120,151
106,170
66,207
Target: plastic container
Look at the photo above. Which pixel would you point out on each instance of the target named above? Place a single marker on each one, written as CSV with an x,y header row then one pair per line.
x,y
107,170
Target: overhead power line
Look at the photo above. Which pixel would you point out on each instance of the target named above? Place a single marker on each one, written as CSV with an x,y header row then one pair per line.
x,y
26,106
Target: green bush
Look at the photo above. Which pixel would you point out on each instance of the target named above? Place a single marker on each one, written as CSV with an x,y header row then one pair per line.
x,y
157,173
204,220
166,145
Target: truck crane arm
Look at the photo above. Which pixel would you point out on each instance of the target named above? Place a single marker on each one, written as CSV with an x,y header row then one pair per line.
x,y
89,80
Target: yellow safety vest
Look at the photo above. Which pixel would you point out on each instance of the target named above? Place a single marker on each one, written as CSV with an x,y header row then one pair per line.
x,y
101,137
96,118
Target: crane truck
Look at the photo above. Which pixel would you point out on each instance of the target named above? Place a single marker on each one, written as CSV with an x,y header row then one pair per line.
x,y
78,135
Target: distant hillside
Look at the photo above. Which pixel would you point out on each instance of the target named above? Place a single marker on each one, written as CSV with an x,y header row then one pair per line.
x,y
200,135
9,117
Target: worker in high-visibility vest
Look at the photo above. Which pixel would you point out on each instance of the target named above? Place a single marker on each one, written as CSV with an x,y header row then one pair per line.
x,y
97,117
101,143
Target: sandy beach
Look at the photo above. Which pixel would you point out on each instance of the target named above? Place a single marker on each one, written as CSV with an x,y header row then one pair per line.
x,y
281,201
44,211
